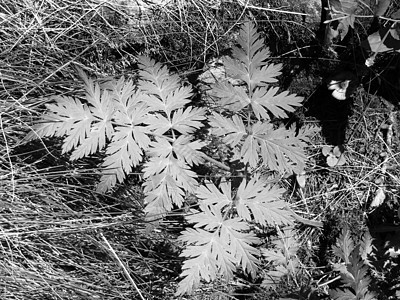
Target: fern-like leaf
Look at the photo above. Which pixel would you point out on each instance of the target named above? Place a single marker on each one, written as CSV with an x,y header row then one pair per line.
x,y
233,98
235,231
211,195
354,273
283,258
249,65
344,245
355,280
130,138
217,249
232,130
251,55
165,90
264,101
168,173
280,149
101,127
203,263
261,203
188,151
67,116
184,121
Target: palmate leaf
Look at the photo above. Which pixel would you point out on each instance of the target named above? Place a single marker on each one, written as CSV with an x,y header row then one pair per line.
x,y
255,201
217,249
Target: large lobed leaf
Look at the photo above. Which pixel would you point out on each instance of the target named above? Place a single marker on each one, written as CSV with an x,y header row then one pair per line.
x,y
217,249
279,149
255,201
264,101
249,65
164,89
67,116
130,138
168,173
232,130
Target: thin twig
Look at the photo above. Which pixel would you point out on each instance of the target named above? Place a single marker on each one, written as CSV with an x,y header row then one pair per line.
x,y
122,265
278,10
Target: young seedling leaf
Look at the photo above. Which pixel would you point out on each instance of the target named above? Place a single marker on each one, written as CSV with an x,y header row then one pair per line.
x,y
326,150
337,151
332,160
342,160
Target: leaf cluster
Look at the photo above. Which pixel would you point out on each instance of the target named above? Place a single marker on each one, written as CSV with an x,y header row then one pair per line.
x,y
146,124
222,239
150,124
247,109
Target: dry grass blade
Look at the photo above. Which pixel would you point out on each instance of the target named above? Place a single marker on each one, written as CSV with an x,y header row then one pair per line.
x,y
122,266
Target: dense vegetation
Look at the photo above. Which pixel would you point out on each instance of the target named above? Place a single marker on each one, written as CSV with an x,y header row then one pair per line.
x,y
199,149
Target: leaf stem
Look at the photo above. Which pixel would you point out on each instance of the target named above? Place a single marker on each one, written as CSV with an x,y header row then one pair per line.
x,y
219,164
